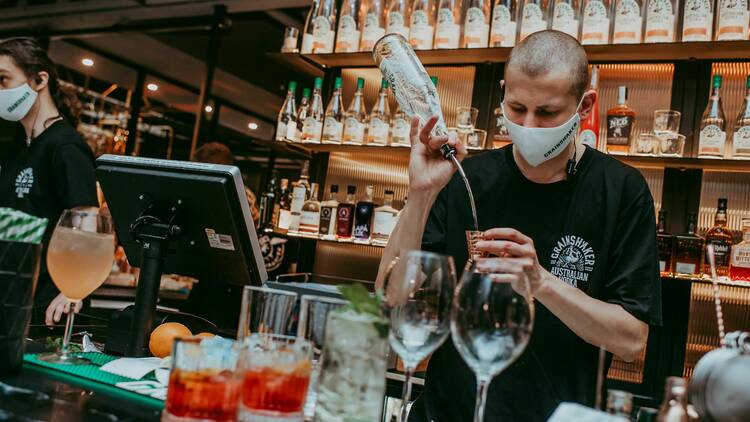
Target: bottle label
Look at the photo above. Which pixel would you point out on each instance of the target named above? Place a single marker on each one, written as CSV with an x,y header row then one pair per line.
x,y
378,131
741,141
332,129
533,20
628,22
476,30
722,252
347,39
741,256
383,223
307,43
712,140
311,129
659,21
685,268
595,23
371,33
503,32
285,219
618,130
448,31
397,25
565,20
326,217
309,221
290,44
354,131
697,23
291,131
280,130
322,36
298,199
733,20
420,31
588,137
343,225
400,134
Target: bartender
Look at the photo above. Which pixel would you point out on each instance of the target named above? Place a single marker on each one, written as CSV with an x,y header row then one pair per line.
x,y
578,223
49,168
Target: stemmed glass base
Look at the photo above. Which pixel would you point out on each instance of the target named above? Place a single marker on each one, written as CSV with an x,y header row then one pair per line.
x,y
63,356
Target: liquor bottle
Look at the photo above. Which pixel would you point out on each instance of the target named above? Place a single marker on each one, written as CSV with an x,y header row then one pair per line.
x,y
620,403
421,24
688,250
309,222
400,128
739,267
299,196
307,33
345,216
589,134
660,21
534,14
732,22
620,122
333,124
698,20
302,112
628,22
397,17
385,220
380,118
665,243
363,214
356,117
282,215
741,137
674,406
373,23
597,15
347,36
267,204
722,239
312,125
504,27
566,17
713,125
286,124
447,27
477,24
324,27
328,215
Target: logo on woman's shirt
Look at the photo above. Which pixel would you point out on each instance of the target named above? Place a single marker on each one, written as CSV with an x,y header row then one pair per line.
x,y
572,260
24,182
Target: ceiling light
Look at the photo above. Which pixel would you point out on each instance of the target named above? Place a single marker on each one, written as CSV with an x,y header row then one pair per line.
x,y
152,87
252,125
208,108
87,62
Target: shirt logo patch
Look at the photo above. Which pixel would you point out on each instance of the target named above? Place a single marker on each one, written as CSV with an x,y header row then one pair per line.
x,y
572,260
24,182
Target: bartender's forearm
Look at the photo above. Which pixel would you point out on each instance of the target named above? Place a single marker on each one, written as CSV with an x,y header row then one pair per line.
x,y
598,323
407,234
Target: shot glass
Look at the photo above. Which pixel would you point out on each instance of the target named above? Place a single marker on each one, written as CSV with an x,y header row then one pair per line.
x,y
667,121
476,139
647,144
472,238
466,118
291,36
671,145
269,311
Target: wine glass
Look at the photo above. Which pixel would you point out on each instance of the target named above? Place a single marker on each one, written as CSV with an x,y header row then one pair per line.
x,y
491,322
417,300
79,259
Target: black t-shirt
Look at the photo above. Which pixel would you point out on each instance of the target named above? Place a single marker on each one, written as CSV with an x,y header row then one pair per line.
x,y
55,172
596,232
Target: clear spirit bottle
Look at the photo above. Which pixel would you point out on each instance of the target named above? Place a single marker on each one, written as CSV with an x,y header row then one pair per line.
x,y
397,18
347,36
504,23
477,24
309,223
732,22
566,17
302,112
373,23
312,125
597,15
380,118
628,22
363,215
660,21
267,204
674,406
665,243
739,268
328,212
307,34
422,24
384,221
286,124
722,239
533,17
345,216
356,117
282,215
698,20
400,129
324,27
741,137
333,124
713,136
299,196
589,134
447,27
620,122
688,250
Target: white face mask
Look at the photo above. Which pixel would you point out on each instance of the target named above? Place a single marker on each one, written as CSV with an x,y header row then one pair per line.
x,y
15,103
539,144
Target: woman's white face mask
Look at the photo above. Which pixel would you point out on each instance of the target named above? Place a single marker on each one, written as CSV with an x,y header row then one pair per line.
x,y
15,103
539,144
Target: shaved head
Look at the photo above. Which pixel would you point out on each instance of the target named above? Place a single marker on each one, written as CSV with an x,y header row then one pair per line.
x,y
550,52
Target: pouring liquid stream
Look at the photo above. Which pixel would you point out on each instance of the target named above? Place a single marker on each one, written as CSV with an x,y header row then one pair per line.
x,y
460,169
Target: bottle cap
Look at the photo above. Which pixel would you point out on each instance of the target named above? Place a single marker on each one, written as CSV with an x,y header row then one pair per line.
x,y
337,83
434,80
351,190
717,81
306,93
292,86
384,83
334,188
622,92
723,204
318,82
747,83
360,83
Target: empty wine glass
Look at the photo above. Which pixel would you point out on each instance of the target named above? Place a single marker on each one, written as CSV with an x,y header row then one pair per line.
x,y
417,300
491,322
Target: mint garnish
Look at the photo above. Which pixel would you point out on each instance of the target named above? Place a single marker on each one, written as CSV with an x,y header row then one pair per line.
x,y
362,302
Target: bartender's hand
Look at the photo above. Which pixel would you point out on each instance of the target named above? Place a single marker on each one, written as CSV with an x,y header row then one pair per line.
x,y
59,305
429,172
514,253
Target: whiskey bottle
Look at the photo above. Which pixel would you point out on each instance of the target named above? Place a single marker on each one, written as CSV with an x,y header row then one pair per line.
x,y
447,27
328,215
628,22
422,24
312,125
739,267
373,23
665,243
741,138
713,134
504,23
589,134
302,112
267,204
282,215
380,118
299,196
310,216
620,123
384,221
356,117
688,250
363,214
347,35
722,239
286,124
333,124
345,216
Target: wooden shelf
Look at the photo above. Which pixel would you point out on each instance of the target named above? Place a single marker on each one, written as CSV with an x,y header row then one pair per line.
x,y
285,233
660,52
707,280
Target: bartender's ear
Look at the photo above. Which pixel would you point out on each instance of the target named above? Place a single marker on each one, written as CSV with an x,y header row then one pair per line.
x,y
40,81
587,104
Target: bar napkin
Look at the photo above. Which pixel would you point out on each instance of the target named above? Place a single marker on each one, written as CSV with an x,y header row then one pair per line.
x,y
17,226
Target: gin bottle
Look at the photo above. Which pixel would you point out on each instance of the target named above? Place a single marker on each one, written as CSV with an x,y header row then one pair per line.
x,y
307,34
324,27
698,20
504,27
302,112
628,22
286,124
713,134
333,125
732,22
397,18
741,138
534,15
312,125
422,24
477,24
356,117
347,36
595,23
565,17
447,27
373,23
400,129
660,21
380,118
